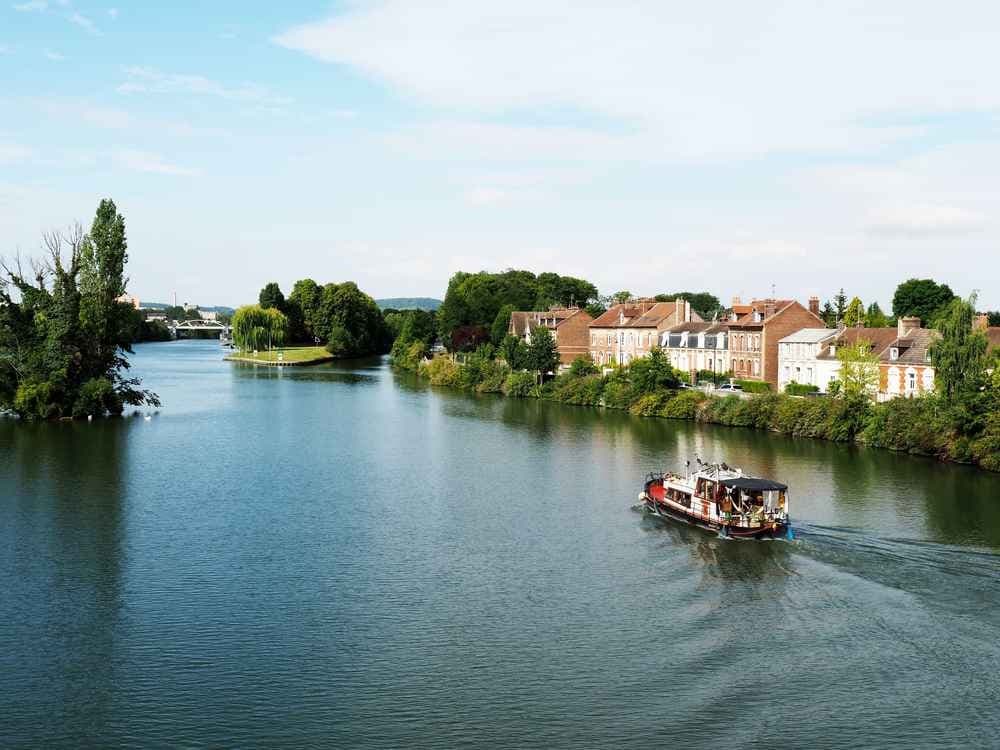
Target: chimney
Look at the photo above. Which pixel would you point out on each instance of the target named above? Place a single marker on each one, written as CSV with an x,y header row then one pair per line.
x,y
814,306
769,308
736,301
906,325
981,323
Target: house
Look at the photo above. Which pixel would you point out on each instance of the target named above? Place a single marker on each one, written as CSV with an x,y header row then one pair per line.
x,y
697,346
797,355
568,325
631,329
827,364
905,365
903,354
754,336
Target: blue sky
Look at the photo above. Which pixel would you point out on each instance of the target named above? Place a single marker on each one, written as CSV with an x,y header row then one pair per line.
x,y
652,146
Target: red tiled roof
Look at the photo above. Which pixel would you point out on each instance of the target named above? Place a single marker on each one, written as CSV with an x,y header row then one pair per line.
x,y
879,338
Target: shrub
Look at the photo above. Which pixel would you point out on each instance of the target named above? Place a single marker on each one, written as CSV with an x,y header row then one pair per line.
x,y
800,389
914,425
649,405
34,400
519,384
493,375
582,366
442,371
754,386
684,405
582,391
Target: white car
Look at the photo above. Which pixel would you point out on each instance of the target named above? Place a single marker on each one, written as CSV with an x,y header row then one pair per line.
x,y
731,388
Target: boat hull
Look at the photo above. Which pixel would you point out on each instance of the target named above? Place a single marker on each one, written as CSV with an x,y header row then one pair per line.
x,y
768,530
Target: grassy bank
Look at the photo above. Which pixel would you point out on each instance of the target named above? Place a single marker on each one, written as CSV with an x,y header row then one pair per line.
x,y
923,426
292,355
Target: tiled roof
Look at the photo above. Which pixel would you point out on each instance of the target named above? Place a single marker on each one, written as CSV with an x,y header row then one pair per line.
x,y
912,348
522,320
879,338
639,315
760,306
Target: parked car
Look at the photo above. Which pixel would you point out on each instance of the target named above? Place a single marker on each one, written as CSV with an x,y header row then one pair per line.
x,y
730,388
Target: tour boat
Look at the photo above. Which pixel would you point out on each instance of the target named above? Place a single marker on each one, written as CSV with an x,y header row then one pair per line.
x,y
720,498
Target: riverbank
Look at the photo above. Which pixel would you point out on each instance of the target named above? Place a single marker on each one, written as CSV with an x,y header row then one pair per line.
x,y
292,356
921,426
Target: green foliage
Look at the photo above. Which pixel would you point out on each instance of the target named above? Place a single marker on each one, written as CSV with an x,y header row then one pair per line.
x,y
519,384
859,372
914,425
703,303
854,315
414,327
754,386
543,354
501,324
582,366
960,362
684,405
829,315
621,297
475,299
64,326
257,329
441,371
596,309
653,372
97,398
271,296
921,298
874,317
427,304
800,389
840,304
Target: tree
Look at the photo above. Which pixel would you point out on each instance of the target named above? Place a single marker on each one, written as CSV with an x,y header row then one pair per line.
x,y
859,372
829,315
703,303
854,315
303,309
596,309
256,328
921,298
960,362
874,317
271,296
501,324
63,333
621,297
653,372
582,366
840,305
542,354
993,318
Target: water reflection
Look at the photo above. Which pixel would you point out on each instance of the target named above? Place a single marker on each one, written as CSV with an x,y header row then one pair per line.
x,y
65,539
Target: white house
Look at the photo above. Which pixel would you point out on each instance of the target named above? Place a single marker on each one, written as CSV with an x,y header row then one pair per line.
x,y
695,346
797,357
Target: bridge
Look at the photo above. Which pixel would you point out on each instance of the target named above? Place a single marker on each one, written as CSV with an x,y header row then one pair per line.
x,y
178,330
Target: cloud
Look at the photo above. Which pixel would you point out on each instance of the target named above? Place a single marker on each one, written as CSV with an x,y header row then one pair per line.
x,y
13,152
83,22
5,49
145,161
32,6
109,118
485,196
924,221
142,80
770,77
54,56
113,14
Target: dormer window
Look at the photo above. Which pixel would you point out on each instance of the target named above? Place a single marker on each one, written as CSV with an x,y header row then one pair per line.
x,y
893,354
833,350
757,317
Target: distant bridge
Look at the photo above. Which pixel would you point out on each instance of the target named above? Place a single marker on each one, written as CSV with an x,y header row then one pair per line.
x,y
177,330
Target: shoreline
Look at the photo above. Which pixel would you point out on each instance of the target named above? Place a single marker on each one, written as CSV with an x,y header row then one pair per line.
x,y
291,357
827,419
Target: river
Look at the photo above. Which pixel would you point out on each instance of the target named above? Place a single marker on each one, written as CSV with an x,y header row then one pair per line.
x,y
340,556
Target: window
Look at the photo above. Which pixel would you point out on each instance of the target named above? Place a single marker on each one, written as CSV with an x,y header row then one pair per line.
x,y
911,381
893,354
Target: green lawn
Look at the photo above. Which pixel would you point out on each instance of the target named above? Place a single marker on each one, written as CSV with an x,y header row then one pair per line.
x,y
299,355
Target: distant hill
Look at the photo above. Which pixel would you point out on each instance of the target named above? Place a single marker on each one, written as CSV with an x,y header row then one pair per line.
x,y
409,303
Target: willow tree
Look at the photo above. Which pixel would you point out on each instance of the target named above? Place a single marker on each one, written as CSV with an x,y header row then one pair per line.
x,y
256,328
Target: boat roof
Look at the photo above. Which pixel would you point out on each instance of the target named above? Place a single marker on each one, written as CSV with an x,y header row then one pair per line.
x,y
752,483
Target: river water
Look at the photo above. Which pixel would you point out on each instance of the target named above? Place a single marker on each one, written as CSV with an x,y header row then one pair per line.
x,y
343,557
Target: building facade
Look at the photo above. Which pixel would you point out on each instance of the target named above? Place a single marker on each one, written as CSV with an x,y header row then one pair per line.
x,y
697,346
631,329
754,337
569,327
797,357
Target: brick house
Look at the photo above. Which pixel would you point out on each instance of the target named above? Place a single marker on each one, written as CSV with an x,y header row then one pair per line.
x,y
754,336
827,365
568,325
631,329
